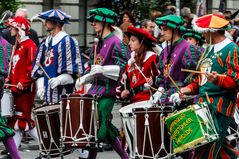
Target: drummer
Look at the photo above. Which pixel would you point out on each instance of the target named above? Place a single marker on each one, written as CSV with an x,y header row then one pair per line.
x,y
20,75
176,55
141,71
107,62
6,133
220,62
58,59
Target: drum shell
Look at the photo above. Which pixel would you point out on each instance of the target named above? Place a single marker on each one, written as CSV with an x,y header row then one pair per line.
x,y
155,117
7,103
48,127
133,118
73,136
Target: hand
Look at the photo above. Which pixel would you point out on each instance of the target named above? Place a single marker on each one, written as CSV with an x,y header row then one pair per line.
x,y
96,69
184,91
157,95
20,86
41,93
54,82
79,83
125,94
175,99
211,77
150,81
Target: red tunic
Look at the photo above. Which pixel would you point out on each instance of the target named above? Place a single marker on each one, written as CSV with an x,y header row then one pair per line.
x,y
136,79
21,72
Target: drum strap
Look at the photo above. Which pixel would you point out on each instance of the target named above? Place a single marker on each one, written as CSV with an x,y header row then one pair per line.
x,y
214,117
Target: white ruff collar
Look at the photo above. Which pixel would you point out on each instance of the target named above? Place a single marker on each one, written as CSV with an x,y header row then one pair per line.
x,y
56,38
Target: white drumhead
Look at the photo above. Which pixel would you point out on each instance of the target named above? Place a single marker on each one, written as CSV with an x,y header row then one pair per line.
x,y
128,108
47,108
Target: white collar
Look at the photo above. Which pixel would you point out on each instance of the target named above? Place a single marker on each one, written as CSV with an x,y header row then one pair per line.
x,y
56,38
221,45
24,38
147,56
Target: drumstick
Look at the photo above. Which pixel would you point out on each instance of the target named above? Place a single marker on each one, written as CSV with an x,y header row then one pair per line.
x,y
96,40
137,67
43,70
199,72
124,78
174,83
10,85
207,97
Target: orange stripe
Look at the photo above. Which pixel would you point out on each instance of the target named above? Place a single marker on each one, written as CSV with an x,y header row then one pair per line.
x,y
211,151
219,105
199,155
236,60
229,109
229,65
223,154
220,61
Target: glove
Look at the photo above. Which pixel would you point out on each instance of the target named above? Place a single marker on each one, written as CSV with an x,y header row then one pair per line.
x,y
96,69
62,79
109,71
40,88
83,80
175,99
157,95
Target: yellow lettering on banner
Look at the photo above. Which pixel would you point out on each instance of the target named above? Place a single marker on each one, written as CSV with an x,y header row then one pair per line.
x,y
184,135
181,127
176,121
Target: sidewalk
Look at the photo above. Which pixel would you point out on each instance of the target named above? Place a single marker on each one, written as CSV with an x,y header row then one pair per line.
x,y
30,150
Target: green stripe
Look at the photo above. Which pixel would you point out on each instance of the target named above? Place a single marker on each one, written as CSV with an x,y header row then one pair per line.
x,y
187,59
192,49
2,59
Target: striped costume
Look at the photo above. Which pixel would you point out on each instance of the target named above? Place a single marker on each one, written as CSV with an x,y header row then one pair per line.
x,y
57,55
5,51
222,58
184,55
113,52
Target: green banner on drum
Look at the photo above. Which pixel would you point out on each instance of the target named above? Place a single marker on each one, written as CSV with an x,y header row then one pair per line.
x,y
185,129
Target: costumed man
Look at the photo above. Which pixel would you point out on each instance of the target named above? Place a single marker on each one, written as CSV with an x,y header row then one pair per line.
x,y
20,75
176,55
107,63
59,56
220,82
6,132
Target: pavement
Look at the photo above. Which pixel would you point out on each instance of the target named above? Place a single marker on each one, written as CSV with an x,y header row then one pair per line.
x,y
30,150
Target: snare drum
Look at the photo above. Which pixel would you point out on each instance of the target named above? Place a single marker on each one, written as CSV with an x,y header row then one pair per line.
x,y
145,130
79,120
48,127
7,103
191,127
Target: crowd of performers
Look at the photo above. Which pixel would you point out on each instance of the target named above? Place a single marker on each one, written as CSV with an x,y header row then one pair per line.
x,y
134,70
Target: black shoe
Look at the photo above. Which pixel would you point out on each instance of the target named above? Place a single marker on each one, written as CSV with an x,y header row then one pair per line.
x,y
4,152
9,156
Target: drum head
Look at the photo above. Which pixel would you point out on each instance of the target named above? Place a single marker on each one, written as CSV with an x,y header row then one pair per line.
x,y
129,108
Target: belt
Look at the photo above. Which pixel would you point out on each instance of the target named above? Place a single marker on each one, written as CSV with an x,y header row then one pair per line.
x,y
136,90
